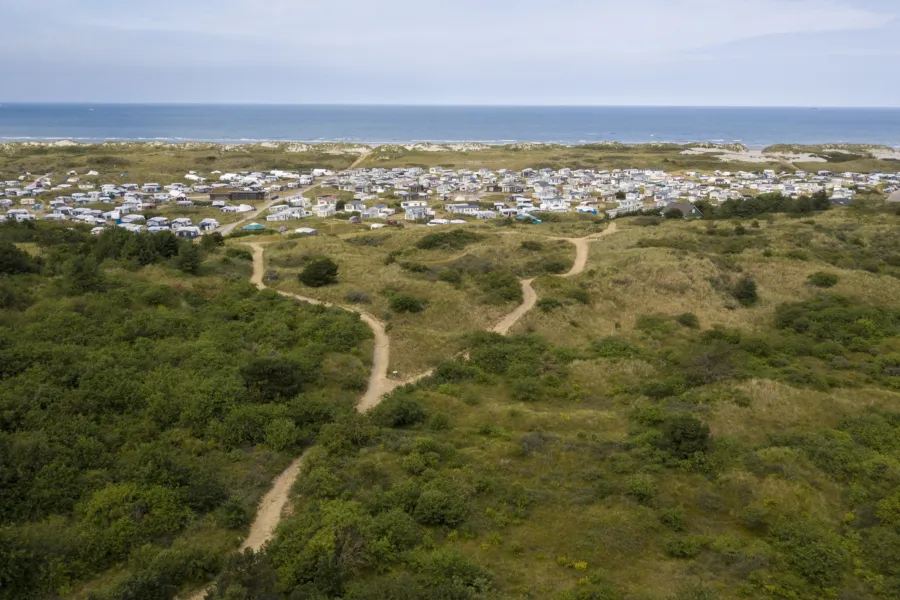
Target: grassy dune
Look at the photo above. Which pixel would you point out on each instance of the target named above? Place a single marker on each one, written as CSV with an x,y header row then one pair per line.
x,y
558,457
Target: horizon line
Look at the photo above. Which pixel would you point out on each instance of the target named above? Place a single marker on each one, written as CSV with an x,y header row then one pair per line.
x,y
436,105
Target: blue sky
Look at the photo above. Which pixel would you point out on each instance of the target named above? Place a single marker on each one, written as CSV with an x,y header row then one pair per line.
x,y
587,52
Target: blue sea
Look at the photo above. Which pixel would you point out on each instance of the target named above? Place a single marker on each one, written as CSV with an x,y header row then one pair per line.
x,y
753,127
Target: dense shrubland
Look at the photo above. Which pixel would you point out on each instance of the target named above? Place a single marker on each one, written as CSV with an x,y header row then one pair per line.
x,y
140,422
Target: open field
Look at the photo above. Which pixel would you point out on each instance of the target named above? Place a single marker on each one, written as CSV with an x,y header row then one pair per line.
x,y
163,163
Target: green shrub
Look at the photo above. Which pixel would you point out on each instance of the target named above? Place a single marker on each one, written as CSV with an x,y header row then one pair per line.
x,y
548,304
811,550
211,241
614,347
684,546
451,276
641,487
14,261
579,295
822,279
441,503
448,240
689,320
399,409
653,324
406,303
745,292
319,272
685,435
370,240
451,574
499,287
673,518
238,253
532,245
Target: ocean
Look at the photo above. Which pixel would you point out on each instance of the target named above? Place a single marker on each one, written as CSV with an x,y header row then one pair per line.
x,y
753,127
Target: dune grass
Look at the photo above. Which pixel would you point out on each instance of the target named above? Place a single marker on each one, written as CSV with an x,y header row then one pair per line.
x,y
568,488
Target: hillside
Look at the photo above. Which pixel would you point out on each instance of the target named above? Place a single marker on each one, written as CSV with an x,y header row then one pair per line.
x,y
708,410
647,409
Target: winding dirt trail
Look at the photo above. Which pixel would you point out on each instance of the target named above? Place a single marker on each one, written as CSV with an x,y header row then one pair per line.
x,y
271,508
529,296
379,384
529,299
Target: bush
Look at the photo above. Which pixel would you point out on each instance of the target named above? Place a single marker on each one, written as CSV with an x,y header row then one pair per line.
x,y
745,292
406,303
14,261
548,304
239,253
822,279
532,245
441,503
673,213
688,320
614,347
673,518
684,546
399,409
641,487
211,241
579,295
319,272
685,435
273,378
451,276
189,258
500,287
448,240
358,298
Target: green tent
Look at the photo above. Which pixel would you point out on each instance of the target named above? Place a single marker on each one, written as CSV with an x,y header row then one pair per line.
x,y
253,227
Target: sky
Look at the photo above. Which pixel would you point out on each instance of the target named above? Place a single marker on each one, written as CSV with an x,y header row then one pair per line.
x,y
506,52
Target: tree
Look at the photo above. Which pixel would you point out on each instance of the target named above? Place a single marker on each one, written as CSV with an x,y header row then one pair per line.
x,y
140,248
82,275
275,377
166,244
211,241
745,292
189,258
319,272
14,260
685,435
673,213
620,195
